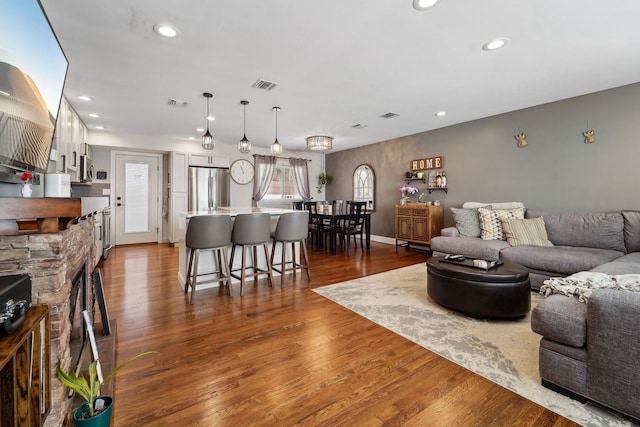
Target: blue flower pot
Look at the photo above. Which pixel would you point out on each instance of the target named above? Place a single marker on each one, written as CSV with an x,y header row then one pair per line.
x,y
103,419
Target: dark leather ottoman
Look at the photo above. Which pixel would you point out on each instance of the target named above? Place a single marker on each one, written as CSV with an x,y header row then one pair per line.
x,y
503,291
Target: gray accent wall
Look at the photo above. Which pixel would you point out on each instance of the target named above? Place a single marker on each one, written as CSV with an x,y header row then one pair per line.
x,y
556,171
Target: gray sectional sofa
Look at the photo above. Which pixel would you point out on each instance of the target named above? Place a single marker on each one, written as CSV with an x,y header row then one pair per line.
x,y
587,351
604,242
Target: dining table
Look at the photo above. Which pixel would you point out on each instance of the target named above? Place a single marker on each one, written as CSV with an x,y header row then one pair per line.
x,y
333,219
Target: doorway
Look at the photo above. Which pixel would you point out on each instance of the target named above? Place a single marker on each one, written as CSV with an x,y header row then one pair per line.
x,y
136,198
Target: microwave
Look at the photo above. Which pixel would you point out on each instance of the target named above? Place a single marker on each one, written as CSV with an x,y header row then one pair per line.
x,y
86,173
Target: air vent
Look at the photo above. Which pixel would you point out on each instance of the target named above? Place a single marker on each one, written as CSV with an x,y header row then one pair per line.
x,y
264,84
359,126
176,103
389,115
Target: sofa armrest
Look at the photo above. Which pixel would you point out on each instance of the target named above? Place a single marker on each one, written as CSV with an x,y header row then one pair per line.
x,y
450,232
613,343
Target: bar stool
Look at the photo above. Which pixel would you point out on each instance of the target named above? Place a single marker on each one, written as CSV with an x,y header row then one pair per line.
x,y
291,228
250,231
208,233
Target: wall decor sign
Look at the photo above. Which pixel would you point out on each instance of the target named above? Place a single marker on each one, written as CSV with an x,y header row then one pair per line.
x,y
428,163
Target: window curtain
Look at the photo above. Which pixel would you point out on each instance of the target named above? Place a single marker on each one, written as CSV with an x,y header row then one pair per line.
x,y
300,170
264,167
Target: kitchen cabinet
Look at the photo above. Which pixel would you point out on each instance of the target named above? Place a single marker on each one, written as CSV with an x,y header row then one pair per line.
x,y
178,191
69,139
417,224
25,371
208,160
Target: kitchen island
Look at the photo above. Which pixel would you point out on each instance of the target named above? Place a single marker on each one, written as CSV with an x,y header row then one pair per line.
x,y
207,262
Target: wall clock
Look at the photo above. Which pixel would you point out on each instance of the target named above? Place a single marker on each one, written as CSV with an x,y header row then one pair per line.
x,y
242,171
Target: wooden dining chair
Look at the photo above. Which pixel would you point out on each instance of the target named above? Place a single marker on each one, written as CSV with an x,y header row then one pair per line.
x,y
353,225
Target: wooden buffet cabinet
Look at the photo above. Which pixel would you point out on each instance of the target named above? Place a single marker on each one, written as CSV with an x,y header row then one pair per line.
x,y
25,371
417,224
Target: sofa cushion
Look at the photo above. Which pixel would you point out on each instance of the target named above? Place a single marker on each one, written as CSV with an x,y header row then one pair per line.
x,y
491,221
628,264
525,232
496,205
563,260
562,319
590,230
467,221
631,230
472,247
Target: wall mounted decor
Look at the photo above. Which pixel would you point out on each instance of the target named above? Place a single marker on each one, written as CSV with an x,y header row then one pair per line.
x,y
521,140
588,136
428,163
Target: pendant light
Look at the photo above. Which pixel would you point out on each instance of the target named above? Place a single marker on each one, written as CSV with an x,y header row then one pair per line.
x,y
244,146
276,147
319,143
207,139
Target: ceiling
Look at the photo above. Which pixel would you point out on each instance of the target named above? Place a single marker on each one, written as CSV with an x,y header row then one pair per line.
x,y
338,63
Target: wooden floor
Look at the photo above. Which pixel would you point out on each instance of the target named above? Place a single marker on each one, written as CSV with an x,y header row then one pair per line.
x,y
283,356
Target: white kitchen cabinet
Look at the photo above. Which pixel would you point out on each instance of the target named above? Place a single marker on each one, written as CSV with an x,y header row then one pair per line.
x,y
179,202
178,168
208,160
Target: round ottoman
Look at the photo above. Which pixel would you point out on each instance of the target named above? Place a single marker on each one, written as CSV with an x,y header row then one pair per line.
x,y
503,291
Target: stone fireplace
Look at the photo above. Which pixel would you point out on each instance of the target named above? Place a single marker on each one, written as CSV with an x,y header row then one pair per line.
x,y
54,261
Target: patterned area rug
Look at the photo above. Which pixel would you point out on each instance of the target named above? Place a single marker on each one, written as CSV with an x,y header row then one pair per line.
x,y
503,351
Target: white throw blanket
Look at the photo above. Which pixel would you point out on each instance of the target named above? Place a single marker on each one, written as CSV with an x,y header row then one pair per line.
x,y
583,284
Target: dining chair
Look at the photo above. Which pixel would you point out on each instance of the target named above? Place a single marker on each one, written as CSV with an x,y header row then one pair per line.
x,y
292,228
250,231
297,206
352,225
337,206
208,233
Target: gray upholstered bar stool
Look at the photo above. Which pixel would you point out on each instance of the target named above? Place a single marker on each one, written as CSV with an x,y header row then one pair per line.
x,y
250,231
292,228
208,233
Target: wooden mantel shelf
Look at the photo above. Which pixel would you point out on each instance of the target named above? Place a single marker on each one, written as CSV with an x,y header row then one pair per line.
x,y
37,215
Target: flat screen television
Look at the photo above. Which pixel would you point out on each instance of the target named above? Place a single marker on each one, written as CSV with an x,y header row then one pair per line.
x,y
33,69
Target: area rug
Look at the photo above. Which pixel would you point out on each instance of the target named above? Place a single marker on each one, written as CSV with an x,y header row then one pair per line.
x,y
503,351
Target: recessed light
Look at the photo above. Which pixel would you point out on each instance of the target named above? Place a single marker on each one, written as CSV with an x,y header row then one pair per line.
x,y
211,118
199,130
85,98
100,127
94,115
495,44
165,30
193,137
424,4
441,113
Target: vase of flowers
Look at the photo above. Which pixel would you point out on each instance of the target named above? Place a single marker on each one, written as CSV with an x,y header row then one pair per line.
x,y
26,186
407,191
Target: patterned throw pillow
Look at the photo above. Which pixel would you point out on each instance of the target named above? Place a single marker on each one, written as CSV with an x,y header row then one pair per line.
x,y
467,221
526,232
491,221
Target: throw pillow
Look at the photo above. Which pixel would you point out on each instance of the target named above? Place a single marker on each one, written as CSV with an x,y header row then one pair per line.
x,y
467,221
491,221
526,232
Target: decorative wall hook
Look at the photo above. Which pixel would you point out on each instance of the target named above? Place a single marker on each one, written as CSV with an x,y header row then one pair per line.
x,y
588,137
521,141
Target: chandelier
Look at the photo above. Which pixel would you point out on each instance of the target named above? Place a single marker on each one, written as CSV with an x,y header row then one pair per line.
x,y
319,143
244,146
276,147
208,142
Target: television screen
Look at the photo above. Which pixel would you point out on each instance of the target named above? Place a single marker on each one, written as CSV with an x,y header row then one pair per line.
x,y
33,69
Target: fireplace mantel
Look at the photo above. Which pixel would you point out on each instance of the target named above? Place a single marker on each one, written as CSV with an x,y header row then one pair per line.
x,y
37,215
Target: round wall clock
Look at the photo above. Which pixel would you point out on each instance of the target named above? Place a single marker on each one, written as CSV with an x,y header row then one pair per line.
x,y
242,171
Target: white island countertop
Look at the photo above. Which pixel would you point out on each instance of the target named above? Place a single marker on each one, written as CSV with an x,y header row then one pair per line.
x,y
236,210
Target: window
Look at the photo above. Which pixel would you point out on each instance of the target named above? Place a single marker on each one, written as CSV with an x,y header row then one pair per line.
x,y
282,184
364,186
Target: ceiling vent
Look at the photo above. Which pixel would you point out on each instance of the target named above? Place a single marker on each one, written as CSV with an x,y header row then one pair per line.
x,y
176,103
359,126
389,115
264,84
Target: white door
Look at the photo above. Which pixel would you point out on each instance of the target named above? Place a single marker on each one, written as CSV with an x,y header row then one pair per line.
x,y
136,199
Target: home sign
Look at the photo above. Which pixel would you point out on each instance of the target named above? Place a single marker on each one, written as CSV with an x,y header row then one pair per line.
x,y
428,163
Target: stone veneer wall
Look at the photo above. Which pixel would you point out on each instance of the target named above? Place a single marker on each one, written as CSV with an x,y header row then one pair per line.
x,y
52,261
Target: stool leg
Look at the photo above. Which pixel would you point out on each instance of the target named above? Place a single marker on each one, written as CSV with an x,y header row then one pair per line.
x,y
243,271
269,270
303,247
283,267
195,278
226,266
189,267
293,258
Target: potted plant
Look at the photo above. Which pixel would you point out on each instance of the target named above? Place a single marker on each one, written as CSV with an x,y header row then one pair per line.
x,y
323,179
96,411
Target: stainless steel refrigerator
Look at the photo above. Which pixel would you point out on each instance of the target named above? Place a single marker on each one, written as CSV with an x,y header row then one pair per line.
x,y
208,188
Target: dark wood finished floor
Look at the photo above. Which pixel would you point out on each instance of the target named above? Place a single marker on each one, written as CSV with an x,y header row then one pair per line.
x,y
284,356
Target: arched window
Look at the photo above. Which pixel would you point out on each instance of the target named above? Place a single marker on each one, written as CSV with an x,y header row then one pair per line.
x,y
364,186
